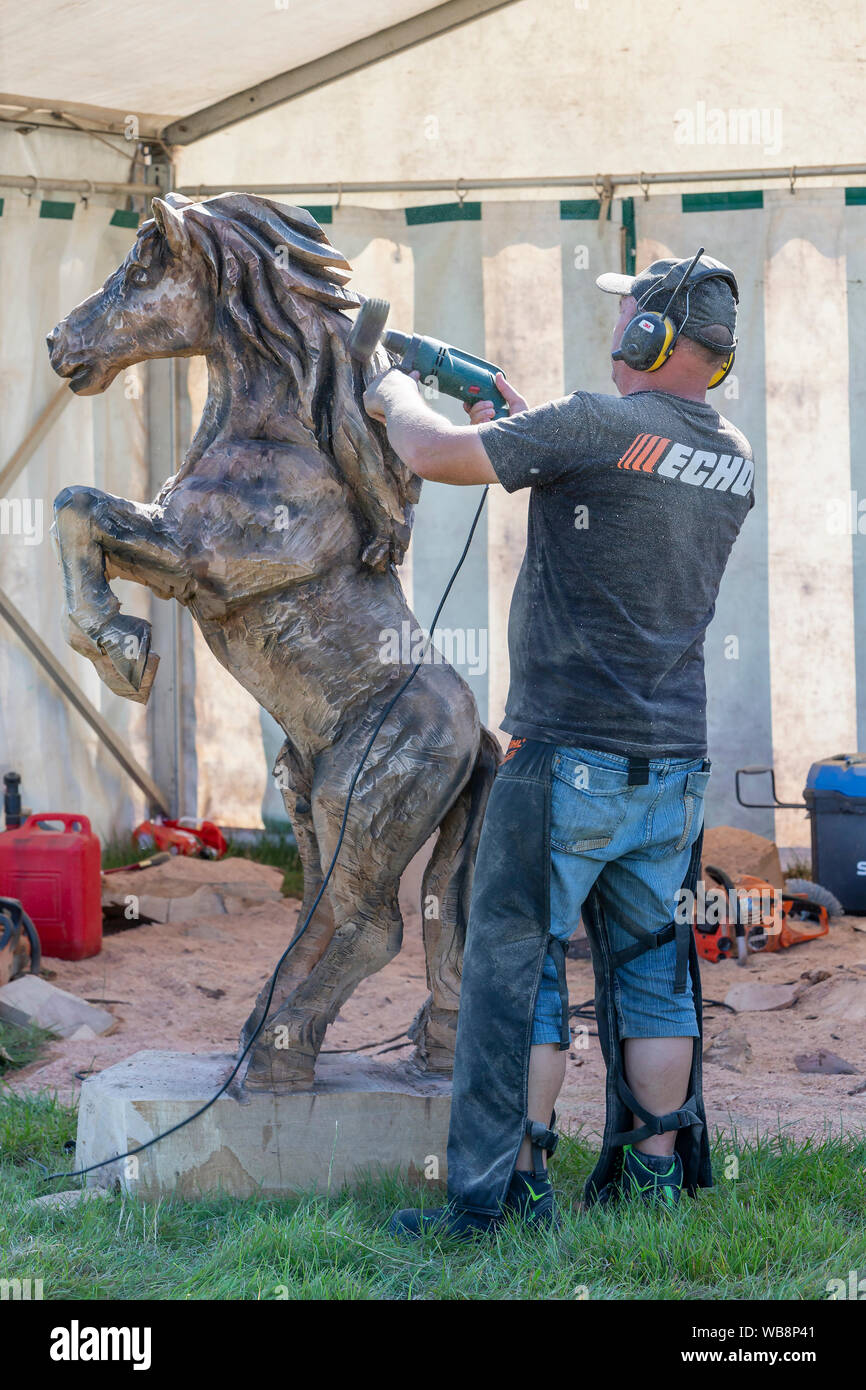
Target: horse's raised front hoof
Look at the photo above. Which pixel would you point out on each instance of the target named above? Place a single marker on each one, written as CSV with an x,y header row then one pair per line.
x,y
121,653
434,1033
124,659
126,642
111,677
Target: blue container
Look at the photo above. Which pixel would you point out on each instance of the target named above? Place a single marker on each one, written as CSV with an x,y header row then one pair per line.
x,y
835,794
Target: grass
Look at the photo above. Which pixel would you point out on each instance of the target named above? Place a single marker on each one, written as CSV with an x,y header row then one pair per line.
x,y
19,1046
116,853
799,868
277,848
795,1218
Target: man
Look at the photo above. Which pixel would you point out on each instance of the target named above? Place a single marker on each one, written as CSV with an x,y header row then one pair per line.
x,y
635,503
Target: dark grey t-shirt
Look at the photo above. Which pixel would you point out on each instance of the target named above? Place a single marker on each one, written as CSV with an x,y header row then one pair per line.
x,y
635,504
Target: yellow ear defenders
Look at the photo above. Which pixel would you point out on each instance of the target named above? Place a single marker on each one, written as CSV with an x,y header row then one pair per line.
x,y
719,376
649,338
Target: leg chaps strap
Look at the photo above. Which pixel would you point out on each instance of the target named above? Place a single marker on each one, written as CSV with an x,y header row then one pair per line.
x,y
689,1121
556,950
686,1117
542,1139
680,932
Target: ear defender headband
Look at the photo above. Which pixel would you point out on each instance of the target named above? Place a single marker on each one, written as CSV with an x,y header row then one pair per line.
x,y
650,338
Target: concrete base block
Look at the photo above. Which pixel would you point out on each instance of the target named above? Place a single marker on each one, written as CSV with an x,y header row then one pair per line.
x,y
363,1116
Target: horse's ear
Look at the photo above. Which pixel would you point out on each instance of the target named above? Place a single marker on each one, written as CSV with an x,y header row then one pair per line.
x,y
170,222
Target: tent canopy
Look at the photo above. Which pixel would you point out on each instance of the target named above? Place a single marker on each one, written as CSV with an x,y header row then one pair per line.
x,y
88,60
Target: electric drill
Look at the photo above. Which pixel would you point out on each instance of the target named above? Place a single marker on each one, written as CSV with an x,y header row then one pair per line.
x,y
451,370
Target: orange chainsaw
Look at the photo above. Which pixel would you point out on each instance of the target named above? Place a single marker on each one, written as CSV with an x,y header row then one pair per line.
x,y
750,915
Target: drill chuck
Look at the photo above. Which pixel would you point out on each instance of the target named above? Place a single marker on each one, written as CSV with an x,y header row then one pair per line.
x,y
395,342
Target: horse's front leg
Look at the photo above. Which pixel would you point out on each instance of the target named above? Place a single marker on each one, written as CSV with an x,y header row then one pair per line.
x,y
98,534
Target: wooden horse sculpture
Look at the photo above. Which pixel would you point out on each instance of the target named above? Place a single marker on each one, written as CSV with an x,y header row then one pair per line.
x,y
280,533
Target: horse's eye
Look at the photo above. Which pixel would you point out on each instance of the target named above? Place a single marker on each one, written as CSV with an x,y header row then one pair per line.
x,y
137,276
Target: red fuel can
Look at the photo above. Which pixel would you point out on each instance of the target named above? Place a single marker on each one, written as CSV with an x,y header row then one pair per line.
x,y
56,876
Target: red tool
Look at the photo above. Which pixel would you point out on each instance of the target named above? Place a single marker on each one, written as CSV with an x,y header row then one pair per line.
x,y
55,874
185,836
139,864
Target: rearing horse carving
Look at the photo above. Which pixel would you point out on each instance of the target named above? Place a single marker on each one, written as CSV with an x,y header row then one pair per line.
x,y
280,532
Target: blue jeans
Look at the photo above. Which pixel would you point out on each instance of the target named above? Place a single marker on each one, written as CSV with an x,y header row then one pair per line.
x,y
634,842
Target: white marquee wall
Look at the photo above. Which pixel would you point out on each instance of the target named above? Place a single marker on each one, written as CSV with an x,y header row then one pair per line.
x,y
544,87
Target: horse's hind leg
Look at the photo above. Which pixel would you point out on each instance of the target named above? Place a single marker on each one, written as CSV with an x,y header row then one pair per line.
x,y
296,786
399,802
94,531
367,936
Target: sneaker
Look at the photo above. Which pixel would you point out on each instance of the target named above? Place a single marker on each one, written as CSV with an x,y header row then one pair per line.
x,y
655,1178
447,1222
530,1197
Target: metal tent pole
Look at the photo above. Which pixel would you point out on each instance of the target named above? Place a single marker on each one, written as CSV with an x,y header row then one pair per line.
x,y
28,183
462,186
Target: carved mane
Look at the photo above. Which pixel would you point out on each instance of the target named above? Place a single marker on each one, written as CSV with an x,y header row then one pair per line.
x,y
282,284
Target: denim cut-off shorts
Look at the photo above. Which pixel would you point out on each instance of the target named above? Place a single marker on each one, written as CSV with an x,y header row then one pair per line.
x,y
634,843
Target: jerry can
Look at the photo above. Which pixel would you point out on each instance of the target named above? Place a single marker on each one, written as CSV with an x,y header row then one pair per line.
x,y
56,875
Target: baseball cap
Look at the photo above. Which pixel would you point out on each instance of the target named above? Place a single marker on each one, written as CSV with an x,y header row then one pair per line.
x,y
712,292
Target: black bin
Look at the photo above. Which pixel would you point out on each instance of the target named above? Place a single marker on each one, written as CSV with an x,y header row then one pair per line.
x,y
835,797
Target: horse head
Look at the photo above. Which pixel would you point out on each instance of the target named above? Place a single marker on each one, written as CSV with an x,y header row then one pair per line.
x,y
156,304
247,276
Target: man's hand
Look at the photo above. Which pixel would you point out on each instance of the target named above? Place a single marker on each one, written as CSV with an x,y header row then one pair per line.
x,y
430,445
482,411
382,389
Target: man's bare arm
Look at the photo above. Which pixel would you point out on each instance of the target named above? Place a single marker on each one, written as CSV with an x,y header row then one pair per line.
x,y
430,445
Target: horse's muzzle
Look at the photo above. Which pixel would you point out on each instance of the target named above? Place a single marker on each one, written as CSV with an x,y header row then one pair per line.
x,y
85,376
62,359
52,342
